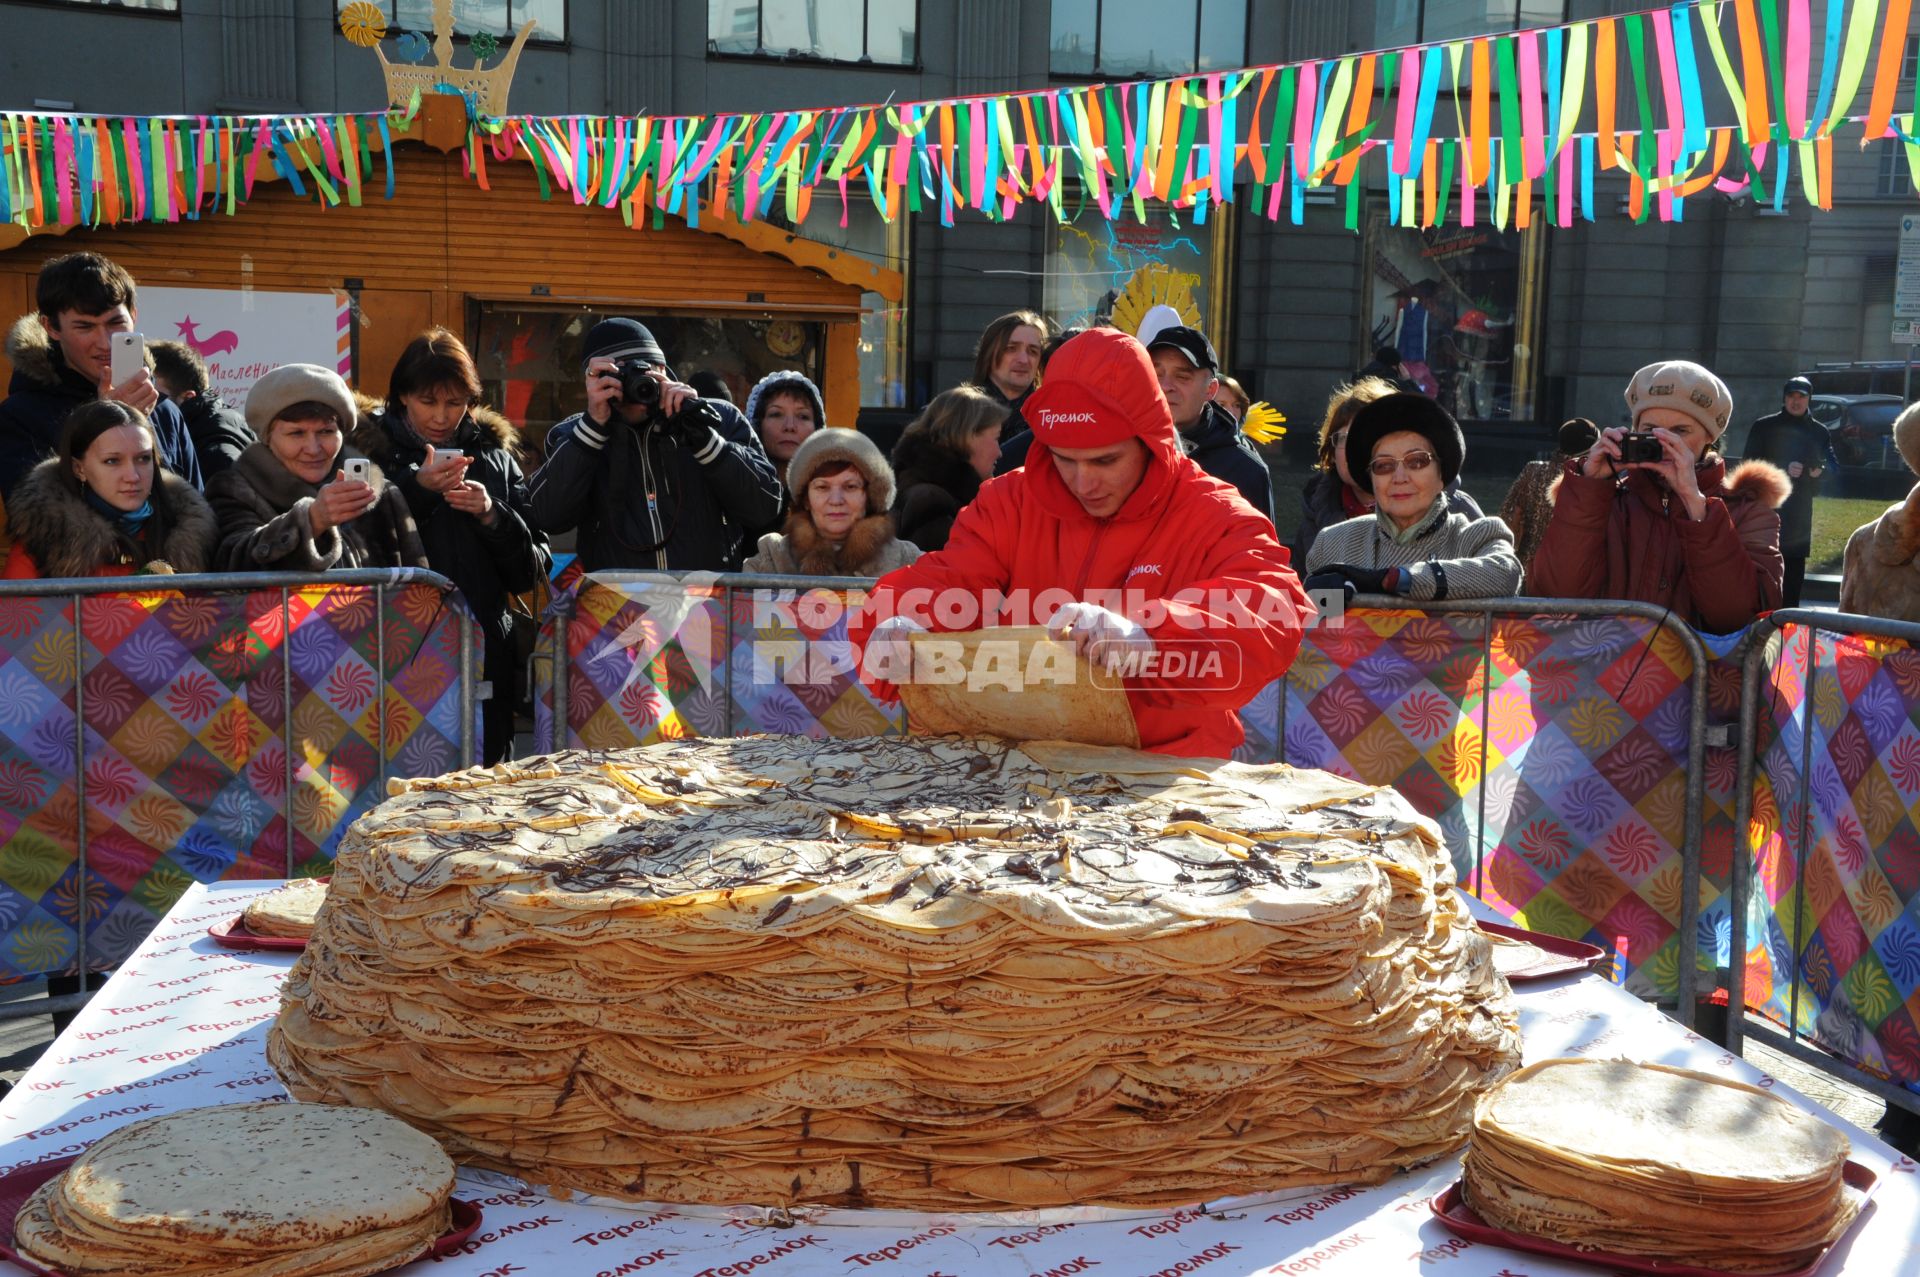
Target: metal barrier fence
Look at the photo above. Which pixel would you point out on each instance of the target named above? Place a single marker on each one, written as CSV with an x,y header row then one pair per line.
x,y
1829,831
1502,719
155,731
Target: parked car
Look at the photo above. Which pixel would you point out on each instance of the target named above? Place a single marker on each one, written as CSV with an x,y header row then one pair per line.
x,y
1860,427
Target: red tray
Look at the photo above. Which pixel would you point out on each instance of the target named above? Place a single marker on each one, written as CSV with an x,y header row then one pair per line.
x,y
233,934
1569,955
1458,1217
17,1186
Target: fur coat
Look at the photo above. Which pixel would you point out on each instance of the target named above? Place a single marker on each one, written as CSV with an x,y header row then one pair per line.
x,y
262,508
1881,576
57,534
871,549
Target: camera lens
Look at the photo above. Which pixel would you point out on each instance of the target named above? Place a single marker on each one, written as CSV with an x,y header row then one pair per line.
x,y
637,386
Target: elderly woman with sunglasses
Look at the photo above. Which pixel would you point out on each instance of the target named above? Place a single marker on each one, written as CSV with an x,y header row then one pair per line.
x,y
1406,450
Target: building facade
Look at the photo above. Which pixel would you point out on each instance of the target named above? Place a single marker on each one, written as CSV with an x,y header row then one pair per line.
x,y
1514,329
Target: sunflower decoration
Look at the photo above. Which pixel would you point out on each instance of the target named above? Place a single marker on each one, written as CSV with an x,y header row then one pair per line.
x,y
484,45
363,24
1264,424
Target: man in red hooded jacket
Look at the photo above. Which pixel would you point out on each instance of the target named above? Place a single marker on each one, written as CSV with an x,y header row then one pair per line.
x,y
1111,536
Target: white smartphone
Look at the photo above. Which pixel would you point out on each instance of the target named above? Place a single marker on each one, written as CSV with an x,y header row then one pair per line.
x,y
129,357
358,468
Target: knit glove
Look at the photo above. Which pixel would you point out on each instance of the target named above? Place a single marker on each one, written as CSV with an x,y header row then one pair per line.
x,y
1105,638
694,427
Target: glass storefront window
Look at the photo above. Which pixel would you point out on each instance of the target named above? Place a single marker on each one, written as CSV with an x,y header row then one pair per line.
x,y
883,324
1459,304
881,31
1122,39
500,17
529,359
1100,271
1397,23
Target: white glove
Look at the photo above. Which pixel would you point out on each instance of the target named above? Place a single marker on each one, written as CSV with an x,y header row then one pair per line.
x,y
1105,638
890,649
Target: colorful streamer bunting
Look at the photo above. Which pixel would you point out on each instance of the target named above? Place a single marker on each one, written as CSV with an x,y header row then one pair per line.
x,y
1360,122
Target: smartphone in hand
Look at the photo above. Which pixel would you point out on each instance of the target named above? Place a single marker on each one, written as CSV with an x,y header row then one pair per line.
x,y
358,468
129,357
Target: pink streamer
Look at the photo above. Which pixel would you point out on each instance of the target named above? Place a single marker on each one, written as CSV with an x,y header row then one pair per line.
x,y
327,149
1403,114
1533,154
136,161
1669,153
669,152
1303,105
63,169
1670,86
1799,40
1467,189
1222,161
977,188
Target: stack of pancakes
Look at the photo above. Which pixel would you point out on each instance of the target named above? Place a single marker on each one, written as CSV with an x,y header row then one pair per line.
x,y
241,1190
287,911
928,973
1658,1163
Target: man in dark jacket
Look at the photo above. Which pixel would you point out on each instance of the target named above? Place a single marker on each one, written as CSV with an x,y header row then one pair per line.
x,y
1189,377
671,484
220,433
63,357
1795,442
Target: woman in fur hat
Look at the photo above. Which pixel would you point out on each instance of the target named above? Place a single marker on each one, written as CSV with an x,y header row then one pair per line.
x,y
458,465
289,505
1680,532
839,526
1404,450
941,461
103,506
1881,576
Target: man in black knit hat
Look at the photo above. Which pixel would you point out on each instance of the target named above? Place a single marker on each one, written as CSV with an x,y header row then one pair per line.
x,y
651,474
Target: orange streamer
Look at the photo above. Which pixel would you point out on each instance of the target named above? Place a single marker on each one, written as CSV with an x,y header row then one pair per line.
x,y
1169,141
1479,161
1893,39
1753,67
1256,150
1358,109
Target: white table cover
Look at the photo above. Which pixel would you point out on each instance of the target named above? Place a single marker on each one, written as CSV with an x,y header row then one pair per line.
x,y
184,1024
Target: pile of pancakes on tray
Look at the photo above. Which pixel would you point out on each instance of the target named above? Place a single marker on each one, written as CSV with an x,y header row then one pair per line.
x,y
927,973
244,1190
287,911
1654,1162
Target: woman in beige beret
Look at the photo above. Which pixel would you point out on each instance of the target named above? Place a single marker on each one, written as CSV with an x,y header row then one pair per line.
x,y
296,501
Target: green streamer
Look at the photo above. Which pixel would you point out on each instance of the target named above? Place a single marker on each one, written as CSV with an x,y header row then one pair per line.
x,y
1770,38
1507,77
1647,162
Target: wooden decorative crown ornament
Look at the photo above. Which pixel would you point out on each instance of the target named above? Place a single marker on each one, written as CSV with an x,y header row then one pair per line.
x,y
487,89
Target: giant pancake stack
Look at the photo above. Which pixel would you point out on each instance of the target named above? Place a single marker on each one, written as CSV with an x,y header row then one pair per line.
x,y
927,973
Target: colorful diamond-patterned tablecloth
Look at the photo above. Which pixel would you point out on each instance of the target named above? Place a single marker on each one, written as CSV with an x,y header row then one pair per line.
x,y
183,701
1834,922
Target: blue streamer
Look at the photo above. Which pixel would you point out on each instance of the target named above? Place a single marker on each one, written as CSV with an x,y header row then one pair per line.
x,y
1555,37
1297,186
1229,128
6,189
386,151
1393,190
1693,139
1589,147
83,150
1784,154
1828,62
281,161
1423,113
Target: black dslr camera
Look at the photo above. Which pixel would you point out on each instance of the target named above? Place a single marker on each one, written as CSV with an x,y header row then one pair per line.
x,y
1640,445
637,384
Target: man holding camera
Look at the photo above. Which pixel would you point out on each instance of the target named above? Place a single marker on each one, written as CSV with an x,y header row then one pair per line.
x,y
651,474
1651,513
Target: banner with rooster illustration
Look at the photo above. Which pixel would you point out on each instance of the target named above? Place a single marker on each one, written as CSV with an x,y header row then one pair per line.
x,y
244,333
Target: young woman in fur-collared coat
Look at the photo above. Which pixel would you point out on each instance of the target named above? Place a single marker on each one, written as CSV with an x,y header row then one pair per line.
x,y
103,505
842,489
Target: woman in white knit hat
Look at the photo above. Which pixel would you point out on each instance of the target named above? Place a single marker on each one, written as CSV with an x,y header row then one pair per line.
x,y
1677,531
290,503
839,526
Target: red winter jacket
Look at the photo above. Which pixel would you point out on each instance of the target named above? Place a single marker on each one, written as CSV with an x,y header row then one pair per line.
x,y
1181,533
1617,539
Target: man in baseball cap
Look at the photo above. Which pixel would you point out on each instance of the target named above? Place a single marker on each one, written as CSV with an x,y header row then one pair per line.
x,y
1189,374
1678,531
1153,554
651,474
1795,442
